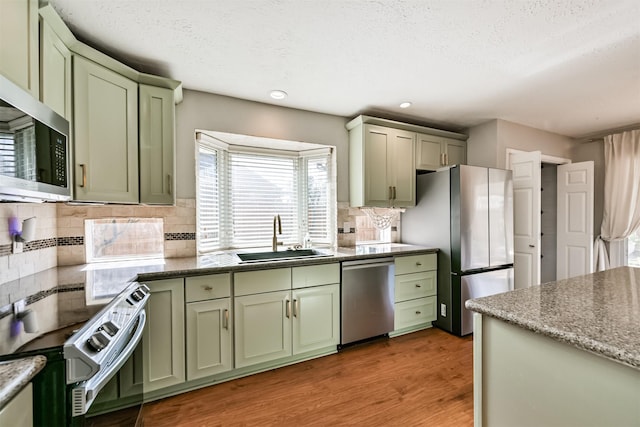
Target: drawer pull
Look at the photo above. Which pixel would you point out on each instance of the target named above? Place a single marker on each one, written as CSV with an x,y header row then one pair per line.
x,y
418,312
418,264
225,320
207,288
288,309
418,286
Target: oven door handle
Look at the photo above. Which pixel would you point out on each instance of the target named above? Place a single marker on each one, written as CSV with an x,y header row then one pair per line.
x,y
85,393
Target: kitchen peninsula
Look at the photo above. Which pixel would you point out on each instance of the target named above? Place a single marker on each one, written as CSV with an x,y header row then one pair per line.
x,y
566,353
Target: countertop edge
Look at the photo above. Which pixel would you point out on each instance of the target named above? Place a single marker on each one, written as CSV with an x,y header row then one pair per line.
x,y
596,347
336,257
16,374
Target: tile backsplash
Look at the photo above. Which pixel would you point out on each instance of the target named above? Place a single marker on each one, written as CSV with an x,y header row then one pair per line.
x,y
355,227
38,254
60,230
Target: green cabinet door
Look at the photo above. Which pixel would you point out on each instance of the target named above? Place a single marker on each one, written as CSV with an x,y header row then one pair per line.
x,y
388,169
209,347
316,318
163,339
262,327
19,43
55,71
106,134
157,145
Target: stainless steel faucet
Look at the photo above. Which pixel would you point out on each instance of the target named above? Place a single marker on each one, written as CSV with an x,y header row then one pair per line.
x,y
274,244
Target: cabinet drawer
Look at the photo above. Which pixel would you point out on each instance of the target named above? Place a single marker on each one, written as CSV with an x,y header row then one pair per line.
x,y
202,288
314,275
416,263
257,282
414,312
416,285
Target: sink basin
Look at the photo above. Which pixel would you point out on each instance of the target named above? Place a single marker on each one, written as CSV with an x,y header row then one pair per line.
x,y
281,255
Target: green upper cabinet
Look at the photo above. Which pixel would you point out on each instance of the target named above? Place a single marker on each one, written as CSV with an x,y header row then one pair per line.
x,y
381,166
105,122
55,71
55,62
157,145
19,55
434,152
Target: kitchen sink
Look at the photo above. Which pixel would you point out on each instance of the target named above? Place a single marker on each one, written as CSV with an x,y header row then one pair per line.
x,y
281,255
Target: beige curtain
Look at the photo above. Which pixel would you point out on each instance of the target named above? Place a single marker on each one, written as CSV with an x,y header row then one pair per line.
x,y
621,215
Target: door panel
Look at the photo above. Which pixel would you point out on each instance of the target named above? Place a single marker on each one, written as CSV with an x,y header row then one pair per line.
x,y
500,217
474,218
575,219
526,221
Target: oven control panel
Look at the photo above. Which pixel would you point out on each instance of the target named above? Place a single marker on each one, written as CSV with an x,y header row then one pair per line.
x,y
105,335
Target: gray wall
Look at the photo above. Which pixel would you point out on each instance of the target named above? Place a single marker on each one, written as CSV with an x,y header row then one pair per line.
x,y
488,142
205,111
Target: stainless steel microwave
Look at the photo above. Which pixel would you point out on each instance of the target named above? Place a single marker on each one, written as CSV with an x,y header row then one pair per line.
x,y
34,148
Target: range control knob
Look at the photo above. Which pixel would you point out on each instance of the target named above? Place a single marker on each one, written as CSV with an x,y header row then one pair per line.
x,y
137,295
98,341
110,328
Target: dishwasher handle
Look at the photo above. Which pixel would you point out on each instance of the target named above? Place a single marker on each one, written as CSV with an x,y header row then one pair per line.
x,y
367,263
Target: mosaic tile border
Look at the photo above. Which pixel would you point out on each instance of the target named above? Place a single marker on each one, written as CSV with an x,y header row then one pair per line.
x,y
7,310
179,236
71,241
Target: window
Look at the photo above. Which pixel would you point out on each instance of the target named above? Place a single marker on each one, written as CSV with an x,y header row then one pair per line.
x,y
633,250
242,188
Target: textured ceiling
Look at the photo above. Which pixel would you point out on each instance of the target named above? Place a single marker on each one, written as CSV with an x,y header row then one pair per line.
x,y
567,66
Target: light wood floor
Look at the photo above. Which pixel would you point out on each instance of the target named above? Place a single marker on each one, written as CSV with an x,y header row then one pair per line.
x,y
420,379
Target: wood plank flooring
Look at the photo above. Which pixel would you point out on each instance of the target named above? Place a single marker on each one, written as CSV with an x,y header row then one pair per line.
x,y
420,379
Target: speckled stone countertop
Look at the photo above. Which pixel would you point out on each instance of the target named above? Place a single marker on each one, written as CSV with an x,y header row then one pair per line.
x,y
228,261
599,312
15,374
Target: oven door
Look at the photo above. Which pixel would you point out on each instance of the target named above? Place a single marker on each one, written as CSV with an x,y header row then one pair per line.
x,y
102,398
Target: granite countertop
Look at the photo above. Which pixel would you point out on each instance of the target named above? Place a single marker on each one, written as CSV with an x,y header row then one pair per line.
x,y
225,261
16,374
599,312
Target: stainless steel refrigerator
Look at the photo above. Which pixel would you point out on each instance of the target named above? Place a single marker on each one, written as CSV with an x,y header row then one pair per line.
x,y
466,212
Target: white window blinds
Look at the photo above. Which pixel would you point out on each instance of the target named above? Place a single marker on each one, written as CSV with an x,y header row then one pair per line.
x,y
242,189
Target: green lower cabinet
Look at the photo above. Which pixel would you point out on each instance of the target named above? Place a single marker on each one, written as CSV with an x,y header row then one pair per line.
x,y
209,332
262,327
415,290
316,318
163,339
415,312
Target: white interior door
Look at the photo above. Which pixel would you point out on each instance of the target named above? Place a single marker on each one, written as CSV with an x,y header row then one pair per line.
x,y
575,220
526,221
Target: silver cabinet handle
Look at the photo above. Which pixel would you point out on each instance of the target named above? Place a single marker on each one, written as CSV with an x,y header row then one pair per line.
x,y
225,319
296,308
532,246
418,312
84,175
169,183
418,286
207,288
390,193
418,264
446,159
288,309
394,193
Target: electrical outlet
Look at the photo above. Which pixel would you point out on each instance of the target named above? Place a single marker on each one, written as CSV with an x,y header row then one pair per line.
x,y
17,247
443,310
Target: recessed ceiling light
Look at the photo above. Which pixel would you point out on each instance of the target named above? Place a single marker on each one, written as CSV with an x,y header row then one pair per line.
x,y
278,94
405,105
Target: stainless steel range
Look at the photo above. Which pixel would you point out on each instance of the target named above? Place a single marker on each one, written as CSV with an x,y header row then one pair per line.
x,y
96,352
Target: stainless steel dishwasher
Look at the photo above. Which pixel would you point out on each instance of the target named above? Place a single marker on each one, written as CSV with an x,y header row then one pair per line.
x,y
367,298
